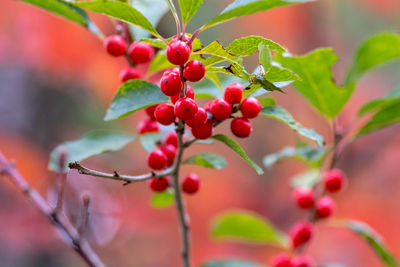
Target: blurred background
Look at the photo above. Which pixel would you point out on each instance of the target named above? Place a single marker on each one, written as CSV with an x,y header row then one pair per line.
x,y
56,82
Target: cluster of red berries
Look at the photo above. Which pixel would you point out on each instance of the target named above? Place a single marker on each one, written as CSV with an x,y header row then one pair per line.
x,y
320,208
138,53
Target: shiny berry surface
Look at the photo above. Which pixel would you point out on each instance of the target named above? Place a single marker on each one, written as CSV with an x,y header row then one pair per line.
x,y
141,52
157,160
170,152
129,74
147,126
204,131
250,107
241,127
304,198
324,207
171,139
194,71
178,52
301,233
185,108
191,184
220,109
171,84
159,184
199,118
164,113
115,45
334,180
233,93
189,93
150,111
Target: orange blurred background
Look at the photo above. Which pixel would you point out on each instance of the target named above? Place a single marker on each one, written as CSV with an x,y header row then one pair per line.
x,y
56,82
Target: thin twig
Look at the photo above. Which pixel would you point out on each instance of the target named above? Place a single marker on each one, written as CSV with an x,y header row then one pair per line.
x,y
194,36
61,179
84,217
61,223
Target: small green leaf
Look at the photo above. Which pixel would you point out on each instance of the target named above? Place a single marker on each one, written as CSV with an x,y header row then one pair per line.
x,y
207,160
132,96
149,141
120,11
266,101
240,8
313,156
159,62
265,57
162,200
236,147
189,8
89,145
375,51
248,227
307,179
68,11
217,50
281,114
230,263
246,46
372,238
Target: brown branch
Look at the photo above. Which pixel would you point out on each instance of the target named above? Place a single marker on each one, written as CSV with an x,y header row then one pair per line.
x,y
60,221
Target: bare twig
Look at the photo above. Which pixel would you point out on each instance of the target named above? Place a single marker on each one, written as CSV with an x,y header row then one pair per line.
x,y
84,217
62,223
61,179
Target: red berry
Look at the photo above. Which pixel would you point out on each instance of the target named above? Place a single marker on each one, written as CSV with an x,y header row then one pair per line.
x,y
147,126
164,114
150,111
233,93
281,260
250,107
304,198
141,52
194,71
185,108
324,207
115,45
220,109
199,118
207,106
241,127
334,180
191,184
186,39
171,84
178,52
203,132
169,70
302,261
189,93
301,233
129,74
170,152
159,184
171,139
157,160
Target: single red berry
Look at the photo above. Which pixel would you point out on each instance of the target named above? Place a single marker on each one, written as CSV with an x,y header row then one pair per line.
x,y
150,111
147,126
169,70
304,198
185,108
207,106
191,184
324,207
189,93
203,132
159,184
157,160
301,233
171,84
141,52
334,180
199,118
241,127
220,109
178,52
115,45
129,74
186,39
170,152
233,93
281,260
250,107
302,261
194,71
171,139
164,113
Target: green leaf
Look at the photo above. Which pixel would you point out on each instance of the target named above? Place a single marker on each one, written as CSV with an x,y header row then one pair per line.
x,y
207,88
89,145
230,263
162,200
316,82
375,51
121,11
153,10
236,147
247,227
313,156
281,114
240,8
266,101
307,179
68,11
189,8
207,160
265,57
132,96
246,46
217,50
159,62
372,238
149,141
